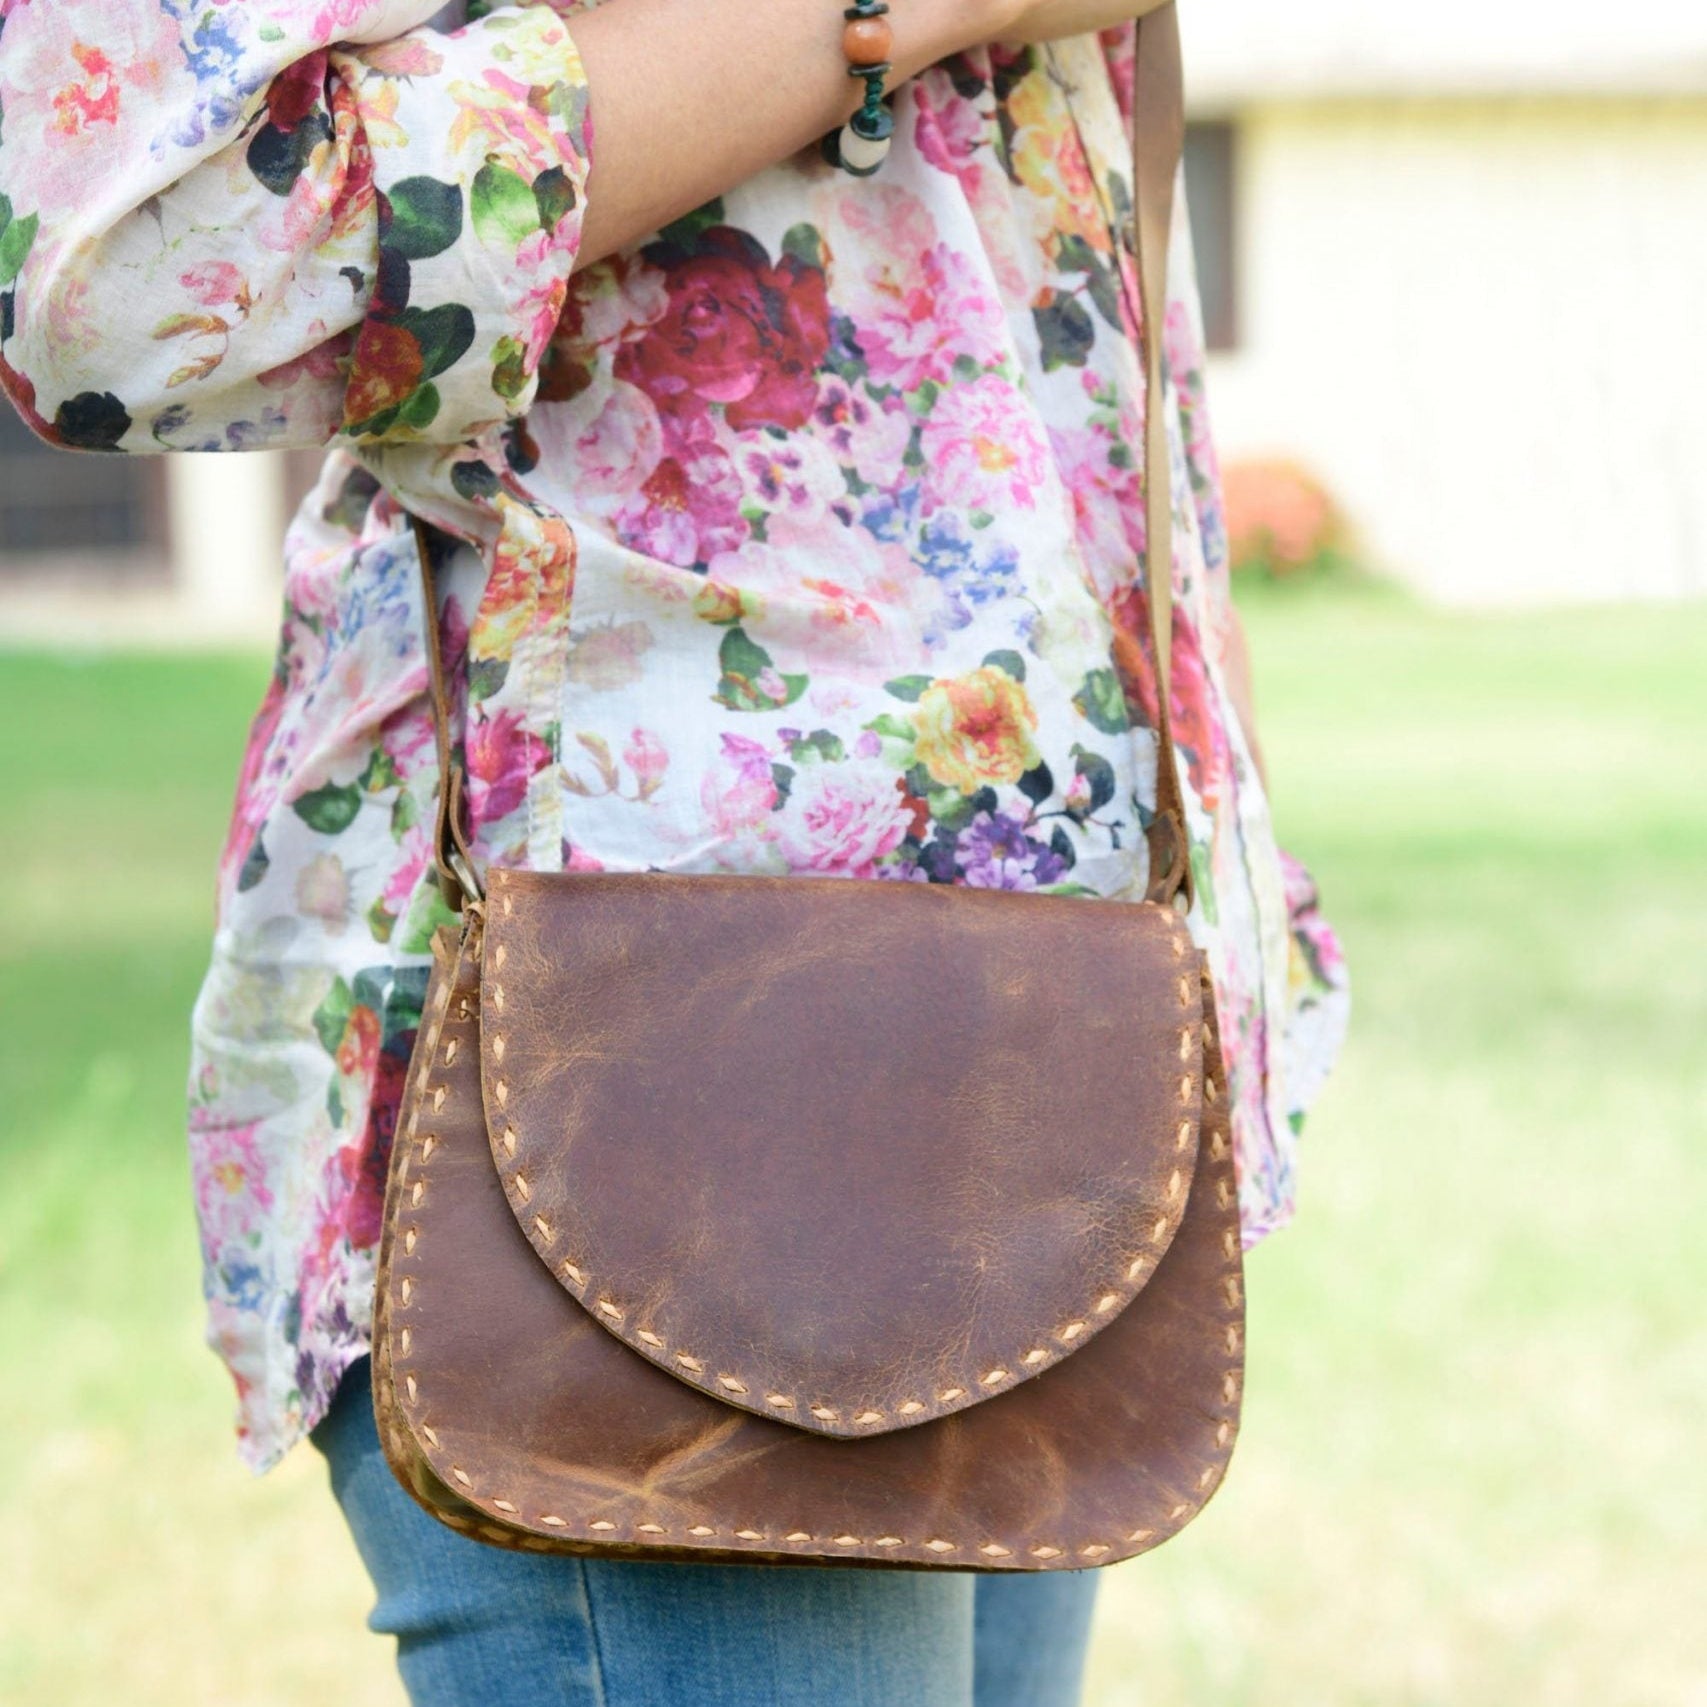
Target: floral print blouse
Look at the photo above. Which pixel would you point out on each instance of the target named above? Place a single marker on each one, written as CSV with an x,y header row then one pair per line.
x,y
802,538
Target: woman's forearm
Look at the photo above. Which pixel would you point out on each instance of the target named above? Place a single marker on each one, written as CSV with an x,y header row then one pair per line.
x,y
684,110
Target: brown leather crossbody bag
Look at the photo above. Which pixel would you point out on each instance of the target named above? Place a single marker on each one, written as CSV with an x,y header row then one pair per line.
x,y
710,1235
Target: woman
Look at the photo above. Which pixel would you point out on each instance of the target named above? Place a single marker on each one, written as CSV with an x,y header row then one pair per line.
x,y
794,529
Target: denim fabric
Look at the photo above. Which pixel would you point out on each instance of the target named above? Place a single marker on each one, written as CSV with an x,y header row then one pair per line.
x,y
479,1627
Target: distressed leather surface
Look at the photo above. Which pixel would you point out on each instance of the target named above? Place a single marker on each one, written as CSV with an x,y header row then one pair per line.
x,y
514,1417
890,1149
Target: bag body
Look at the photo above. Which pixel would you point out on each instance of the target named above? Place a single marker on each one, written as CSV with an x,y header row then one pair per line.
x,y
685,1254
735,1219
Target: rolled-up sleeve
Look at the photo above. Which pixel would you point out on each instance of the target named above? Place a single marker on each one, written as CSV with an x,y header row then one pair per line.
x,y
254,226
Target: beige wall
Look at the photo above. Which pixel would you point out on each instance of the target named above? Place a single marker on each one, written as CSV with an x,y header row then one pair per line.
x,y
1484,323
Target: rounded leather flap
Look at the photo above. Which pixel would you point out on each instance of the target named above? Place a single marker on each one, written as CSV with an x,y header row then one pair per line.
x,y
850,1155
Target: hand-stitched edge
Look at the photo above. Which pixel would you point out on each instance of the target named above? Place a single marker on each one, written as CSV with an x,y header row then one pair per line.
x,y
771,1396
549,1531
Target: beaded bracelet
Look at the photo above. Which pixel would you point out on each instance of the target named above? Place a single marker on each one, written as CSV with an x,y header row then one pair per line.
x,y
862,144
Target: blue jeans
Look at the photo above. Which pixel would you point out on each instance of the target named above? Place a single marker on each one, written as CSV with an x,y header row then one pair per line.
x,y
480,1627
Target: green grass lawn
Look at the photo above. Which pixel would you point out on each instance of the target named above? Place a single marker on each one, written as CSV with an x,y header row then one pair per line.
x,y
1470,1474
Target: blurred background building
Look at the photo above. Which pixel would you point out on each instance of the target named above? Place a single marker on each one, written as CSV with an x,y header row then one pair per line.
x,y
1454,259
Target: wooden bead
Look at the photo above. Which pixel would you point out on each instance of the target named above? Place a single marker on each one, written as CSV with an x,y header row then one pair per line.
x,y
867,41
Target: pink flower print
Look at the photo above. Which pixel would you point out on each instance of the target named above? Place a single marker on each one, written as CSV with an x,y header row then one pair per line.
x,y
649,759
867,434
950,130
689,508
795,477
915,325
738,332
982,447
230,1178
503,758
1105,502
415,852
215,283
840,819
742,792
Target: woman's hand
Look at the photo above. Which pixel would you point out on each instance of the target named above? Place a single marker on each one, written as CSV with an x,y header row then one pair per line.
x,y
1051,20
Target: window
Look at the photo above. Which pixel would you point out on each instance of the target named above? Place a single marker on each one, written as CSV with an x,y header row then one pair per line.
x,y
64,511
1211,187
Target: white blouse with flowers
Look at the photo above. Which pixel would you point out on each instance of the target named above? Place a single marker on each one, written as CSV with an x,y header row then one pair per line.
x,y
804,537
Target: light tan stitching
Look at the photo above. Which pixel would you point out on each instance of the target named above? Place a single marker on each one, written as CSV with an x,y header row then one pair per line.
x,y
780,1400
510,1141
687,1362
1070,1332
702,1530
408,1288
867,1417
748,1535
438,1098
995,1550
948,1396
501,954
731,1384
995,1378
428,1145
409,1239
523,1189
573,1272
647,1337
797,1536
650,1529
498,1048
603,1524
501,1091
909,1407
450,1053
498,997
1035,1356
606,1308
1046,1552
943,1546
545,1229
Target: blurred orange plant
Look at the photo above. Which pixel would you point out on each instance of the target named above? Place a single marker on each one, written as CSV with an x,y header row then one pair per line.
x,y
1281,520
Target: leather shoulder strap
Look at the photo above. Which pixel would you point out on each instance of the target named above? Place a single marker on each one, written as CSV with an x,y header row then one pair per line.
x,y
1158,143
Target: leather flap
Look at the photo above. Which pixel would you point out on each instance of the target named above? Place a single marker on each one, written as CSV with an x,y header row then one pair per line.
x,y
848,1154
